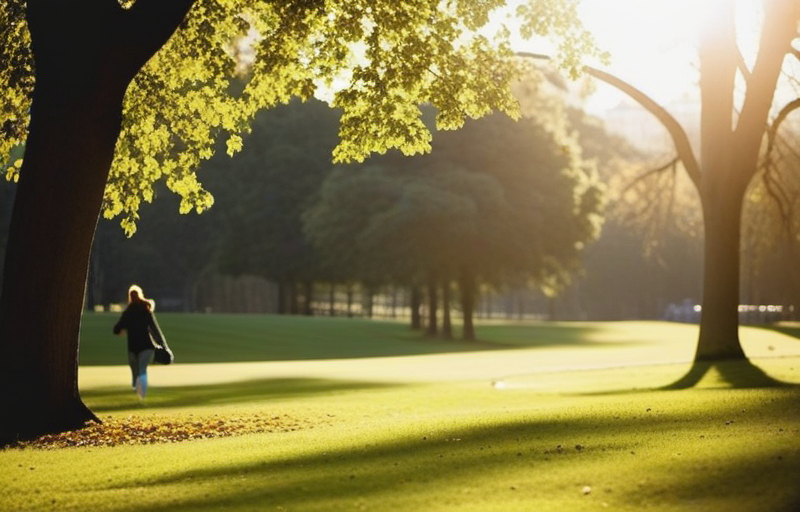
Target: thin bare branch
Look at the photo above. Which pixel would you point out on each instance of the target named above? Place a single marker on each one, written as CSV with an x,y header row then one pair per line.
x,y
669,165
772,184
676,131
776,123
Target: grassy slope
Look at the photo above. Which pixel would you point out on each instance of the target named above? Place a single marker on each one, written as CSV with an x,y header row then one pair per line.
x,y
430,432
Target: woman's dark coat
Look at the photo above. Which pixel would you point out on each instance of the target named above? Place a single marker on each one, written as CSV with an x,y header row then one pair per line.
x,y
141,325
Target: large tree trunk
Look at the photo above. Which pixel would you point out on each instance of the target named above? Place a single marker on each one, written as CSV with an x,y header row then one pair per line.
x,y
729,159
721,194
68,154
85,59
719,322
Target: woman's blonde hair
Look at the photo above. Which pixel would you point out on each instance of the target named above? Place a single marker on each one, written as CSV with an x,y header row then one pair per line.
x,y
135,294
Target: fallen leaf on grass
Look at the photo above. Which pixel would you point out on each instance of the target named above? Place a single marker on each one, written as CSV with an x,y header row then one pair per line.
x,y
138,430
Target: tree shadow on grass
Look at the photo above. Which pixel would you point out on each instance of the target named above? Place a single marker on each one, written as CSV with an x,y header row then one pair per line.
x,y
513,459
729,373
117,399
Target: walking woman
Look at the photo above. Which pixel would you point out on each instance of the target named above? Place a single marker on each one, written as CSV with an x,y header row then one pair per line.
x,y
140,324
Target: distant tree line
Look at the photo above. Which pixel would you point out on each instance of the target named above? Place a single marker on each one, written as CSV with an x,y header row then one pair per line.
x,y
497,207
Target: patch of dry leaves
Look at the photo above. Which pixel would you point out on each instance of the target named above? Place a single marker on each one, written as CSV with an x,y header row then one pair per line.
x,y
134,430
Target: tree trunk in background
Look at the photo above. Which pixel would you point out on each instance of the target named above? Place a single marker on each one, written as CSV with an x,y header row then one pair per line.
x,y
447,324
86,54
729,159
719,322
282,298
468,289
349,301
308,295
416,305
552,309
433,299
721,191
294,298
367,301
332,300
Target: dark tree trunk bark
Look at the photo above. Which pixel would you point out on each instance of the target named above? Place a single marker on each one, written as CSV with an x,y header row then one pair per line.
x,y
433,300
86,54
447,324
468,289
416,304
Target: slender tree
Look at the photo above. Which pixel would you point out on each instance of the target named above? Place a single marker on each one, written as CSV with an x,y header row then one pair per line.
x,y
734,133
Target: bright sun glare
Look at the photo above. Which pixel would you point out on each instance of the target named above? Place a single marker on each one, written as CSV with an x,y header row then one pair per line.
x,y
653,44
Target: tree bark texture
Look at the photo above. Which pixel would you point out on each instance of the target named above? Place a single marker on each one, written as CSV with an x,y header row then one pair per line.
x,y
86,54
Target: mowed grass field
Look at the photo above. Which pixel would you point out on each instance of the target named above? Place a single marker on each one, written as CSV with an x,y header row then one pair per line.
x,y
368,415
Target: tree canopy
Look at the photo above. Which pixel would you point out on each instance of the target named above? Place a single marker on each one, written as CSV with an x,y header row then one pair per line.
x,y
231,58
502,202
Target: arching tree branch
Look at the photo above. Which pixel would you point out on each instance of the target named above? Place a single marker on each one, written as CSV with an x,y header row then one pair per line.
x,y
676,131
776,123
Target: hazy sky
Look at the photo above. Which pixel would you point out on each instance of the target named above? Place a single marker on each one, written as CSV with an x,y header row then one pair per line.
x,y
652,45
653,42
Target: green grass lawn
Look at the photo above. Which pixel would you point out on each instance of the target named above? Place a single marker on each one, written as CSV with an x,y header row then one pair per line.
x,y
535,417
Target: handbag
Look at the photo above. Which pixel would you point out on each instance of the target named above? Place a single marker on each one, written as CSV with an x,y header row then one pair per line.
x,y
163,354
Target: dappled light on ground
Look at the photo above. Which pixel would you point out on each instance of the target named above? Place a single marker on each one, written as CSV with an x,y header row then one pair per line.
x,y
578,420
646,452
